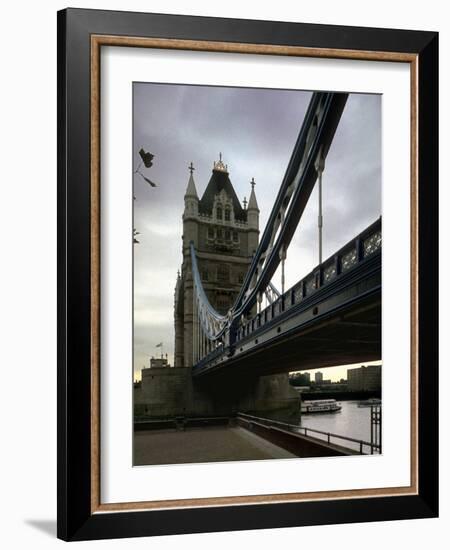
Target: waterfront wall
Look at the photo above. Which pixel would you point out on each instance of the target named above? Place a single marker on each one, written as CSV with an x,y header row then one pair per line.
x,y
296,444
170,392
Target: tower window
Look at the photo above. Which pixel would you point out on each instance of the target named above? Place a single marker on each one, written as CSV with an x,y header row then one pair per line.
x,y
219,234
219,213
210,233
228,235
227,214
223,275
235,236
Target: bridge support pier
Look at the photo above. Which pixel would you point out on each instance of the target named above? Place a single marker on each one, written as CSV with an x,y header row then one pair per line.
x,y
172,392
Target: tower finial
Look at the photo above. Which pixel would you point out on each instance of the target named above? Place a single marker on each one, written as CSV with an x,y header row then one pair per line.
x,y
191,167
245,203
253,183
219,165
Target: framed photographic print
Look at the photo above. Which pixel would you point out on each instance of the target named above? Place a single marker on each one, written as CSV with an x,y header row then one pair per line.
x,y
247,274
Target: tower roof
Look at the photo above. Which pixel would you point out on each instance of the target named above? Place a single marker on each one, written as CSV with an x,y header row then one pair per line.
x,y
220,180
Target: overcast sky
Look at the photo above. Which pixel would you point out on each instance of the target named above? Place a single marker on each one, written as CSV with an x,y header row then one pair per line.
x,y
255,129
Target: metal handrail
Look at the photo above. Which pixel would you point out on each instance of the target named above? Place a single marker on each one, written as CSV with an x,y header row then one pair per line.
x,y
295,428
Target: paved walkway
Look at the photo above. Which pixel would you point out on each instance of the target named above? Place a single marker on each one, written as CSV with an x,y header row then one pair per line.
x,y
208,444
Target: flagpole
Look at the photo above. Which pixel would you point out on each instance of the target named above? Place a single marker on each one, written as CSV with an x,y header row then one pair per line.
x,y
160,345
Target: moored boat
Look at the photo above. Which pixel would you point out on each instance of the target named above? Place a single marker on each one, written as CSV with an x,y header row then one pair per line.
x,y
320,406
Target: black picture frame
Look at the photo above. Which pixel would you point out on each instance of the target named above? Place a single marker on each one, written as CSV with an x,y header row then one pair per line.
x,y
76,520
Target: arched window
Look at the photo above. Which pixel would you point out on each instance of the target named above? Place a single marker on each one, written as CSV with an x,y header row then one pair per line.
x,y
227,215
219,212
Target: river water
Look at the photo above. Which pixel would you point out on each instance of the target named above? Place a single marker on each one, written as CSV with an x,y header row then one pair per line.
x,y
351,421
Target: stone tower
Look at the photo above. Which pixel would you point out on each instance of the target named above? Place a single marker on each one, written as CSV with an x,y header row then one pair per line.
x,y
225,236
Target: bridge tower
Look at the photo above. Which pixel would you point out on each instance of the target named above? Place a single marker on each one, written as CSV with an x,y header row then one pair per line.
x,y
225,235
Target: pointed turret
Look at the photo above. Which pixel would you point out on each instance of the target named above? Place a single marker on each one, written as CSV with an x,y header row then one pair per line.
x,y
252,203
191,197
191,190
252,208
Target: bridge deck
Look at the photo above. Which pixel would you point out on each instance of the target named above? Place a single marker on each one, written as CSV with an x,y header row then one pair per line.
x,y
339,324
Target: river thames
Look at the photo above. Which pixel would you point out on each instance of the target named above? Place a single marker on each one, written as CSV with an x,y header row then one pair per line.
x,y
351,421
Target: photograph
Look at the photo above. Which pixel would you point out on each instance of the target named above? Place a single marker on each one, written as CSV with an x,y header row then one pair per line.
x,y
257,260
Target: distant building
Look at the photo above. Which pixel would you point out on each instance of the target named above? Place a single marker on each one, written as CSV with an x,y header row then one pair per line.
x,y
364,378
300,379
158,362
318,377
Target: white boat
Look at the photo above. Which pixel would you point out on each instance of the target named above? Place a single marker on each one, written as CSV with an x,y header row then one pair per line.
x,y
369,402
320,406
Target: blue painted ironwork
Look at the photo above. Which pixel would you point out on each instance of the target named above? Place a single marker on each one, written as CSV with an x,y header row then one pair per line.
x,y
304,290
312,282
316,135
213,324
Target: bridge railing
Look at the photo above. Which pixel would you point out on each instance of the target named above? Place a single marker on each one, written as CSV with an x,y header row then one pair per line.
x,y
349,256
217,352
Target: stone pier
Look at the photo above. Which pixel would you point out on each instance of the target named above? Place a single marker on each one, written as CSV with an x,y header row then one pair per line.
x,y
169,392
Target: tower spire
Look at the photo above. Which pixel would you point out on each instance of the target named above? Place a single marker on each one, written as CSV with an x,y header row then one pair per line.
x,y
191,190
252,203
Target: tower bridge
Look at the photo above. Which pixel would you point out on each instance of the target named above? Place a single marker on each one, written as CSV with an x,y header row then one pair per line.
x,y
237,335
330,317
